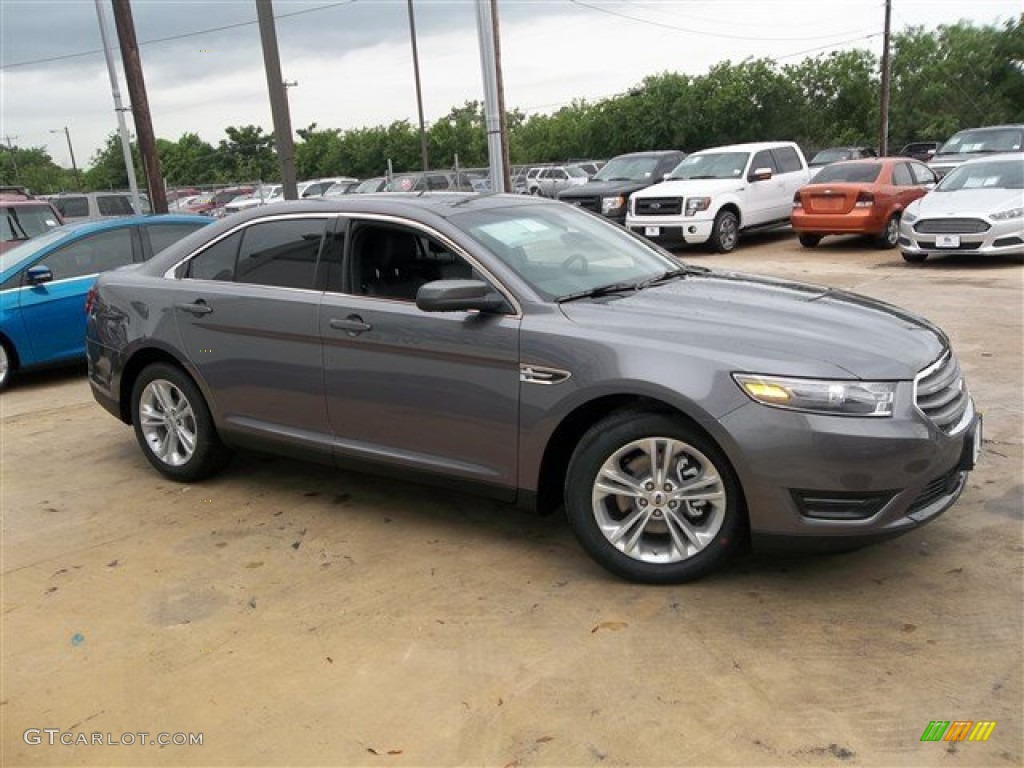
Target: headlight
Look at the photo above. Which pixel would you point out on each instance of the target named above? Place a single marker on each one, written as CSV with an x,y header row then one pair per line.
x,y
909,216
694,204
1013,213
834,398
609,204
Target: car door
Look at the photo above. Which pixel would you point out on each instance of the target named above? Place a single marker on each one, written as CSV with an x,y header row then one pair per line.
x,y
246,312
558,180
762,196
792,176
53,313
426,391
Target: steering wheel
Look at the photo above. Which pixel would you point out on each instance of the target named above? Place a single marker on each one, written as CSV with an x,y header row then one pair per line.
x,y
576,258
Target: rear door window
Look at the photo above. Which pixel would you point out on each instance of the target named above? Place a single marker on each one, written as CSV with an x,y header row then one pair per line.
x,y
74,207
114,205
281,253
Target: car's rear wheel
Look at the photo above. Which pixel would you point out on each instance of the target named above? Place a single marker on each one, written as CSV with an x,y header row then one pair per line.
x,y
725,232
890,236
914,258
6,365
652,499
173,425
808,240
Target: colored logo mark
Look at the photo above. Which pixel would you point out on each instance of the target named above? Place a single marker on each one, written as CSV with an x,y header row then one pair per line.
x,y
958,730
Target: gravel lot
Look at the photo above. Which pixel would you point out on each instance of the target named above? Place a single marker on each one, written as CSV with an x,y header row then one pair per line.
x,y
294,614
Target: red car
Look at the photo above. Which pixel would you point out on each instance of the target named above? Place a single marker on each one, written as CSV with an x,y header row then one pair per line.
x,y
23,216
859,197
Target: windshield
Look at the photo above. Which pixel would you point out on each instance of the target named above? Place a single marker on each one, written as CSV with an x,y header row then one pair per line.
x,y
627,169
712,165
855,173
560,250
831,156
371,185
19,253
990,140
23,221
992,174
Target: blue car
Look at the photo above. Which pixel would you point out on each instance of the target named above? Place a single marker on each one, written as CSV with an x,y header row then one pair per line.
x,y
44,282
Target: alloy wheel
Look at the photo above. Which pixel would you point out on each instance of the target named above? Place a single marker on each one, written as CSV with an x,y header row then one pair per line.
x,y
168,422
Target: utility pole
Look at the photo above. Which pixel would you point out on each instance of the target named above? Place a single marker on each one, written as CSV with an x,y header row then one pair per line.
x,y
492,116
140,103
14,160
424,159
71,151
119,110
278,99
883,107
500,85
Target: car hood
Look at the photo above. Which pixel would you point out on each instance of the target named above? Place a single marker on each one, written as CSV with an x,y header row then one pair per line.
x,y
766,325
602,188
938,204
686,187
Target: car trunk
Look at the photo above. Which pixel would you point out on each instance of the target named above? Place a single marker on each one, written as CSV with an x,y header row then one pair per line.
x,y
830,198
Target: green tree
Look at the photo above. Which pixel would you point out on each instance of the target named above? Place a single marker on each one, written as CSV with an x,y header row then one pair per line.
x,y
246,155
188,161
107,169
32,167
318,153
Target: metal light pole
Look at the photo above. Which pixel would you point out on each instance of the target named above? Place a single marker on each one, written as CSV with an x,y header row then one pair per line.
x,y
122,127
419,93
277,90
492,110
71,151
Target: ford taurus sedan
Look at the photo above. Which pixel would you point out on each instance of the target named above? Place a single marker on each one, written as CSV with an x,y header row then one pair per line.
x,y
536,353
976,210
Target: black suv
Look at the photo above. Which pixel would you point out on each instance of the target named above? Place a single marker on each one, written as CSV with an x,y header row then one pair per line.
x,y
608,191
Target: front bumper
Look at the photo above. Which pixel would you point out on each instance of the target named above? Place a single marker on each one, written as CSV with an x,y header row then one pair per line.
x,y
671,230
828,482
1002,238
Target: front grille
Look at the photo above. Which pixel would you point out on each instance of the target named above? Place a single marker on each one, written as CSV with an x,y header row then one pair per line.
x,y
930,244
659,206
935,490
941,394
590,203
951,226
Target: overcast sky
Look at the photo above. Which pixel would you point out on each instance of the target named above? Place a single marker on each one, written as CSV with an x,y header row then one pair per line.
x,y
353,63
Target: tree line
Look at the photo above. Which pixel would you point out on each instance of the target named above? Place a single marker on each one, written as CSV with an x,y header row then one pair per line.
x,y
943,80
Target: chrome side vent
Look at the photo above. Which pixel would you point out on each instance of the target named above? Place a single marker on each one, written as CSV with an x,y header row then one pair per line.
x,y
539,374
941,394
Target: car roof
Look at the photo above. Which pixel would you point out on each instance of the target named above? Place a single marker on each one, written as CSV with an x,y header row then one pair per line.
x,y
24,201
992,127
117,222
651,153
1014,156
755,146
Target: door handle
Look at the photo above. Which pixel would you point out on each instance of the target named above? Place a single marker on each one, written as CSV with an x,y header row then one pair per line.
x,y
353,324
199,307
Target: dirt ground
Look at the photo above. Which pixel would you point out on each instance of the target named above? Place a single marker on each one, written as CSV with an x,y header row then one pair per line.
x,y
292,614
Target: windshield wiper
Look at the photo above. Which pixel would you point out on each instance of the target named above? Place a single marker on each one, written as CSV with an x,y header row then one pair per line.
x,y
671,274
708,176
601,290
15,224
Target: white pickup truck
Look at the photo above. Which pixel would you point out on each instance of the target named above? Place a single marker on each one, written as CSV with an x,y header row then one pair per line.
x,y
715,194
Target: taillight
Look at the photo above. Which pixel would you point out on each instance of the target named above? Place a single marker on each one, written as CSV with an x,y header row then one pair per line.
x,y
90,300
864,200
797,203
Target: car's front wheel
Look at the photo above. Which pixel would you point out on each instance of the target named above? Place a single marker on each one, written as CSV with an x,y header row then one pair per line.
x,y
652,499
725,232
173,425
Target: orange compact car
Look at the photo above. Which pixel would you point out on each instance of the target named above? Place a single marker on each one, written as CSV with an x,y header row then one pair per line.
x,y
859,197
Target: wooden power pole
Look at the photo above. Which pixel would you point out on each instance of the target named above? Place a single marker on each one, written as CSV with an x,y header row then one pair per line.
x,y
883,107
140,103
424,153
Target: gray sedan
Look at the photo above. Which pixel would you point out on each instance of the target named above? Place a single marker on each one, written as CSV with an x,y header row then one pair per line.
x,y
536,353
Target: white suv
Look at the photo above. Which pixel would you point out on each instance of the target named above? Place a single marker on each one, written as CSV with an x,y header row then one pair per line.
x,y
715,193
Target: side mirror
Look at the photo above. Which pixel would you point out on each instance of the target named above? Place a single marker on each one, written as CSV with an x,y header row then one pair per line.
x,y
760,174
458,296
39,274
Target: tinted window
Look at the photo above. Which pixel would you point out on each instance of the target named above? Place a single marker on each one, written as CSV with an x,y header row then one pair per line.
x,y
114,205
763,159
558,173
854,173
437,182
922,173
163,235
901,176
18,222
72,206
788,160
218,261
91,254
280,253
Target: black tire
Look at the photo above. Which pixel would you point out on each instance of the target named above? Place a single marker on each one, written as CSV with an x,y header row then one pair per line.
x,y
725,232
6,364
655,555
808,240
914,258
890,236
172,385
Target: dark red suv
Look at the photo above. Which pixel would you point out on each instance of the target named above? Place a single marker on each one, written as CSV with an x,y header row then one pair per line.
x,y
23,216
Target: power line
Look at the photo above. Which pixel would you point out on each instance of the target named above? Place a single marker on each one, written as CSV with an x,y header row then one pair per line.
x,y
677,28
181,36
